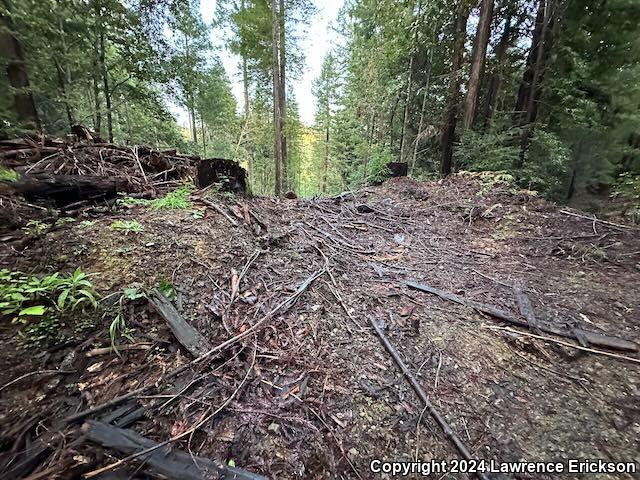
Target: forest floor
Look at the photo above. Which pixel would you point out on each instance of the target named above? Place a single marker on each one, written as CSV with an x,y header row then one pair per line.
x,y
311,392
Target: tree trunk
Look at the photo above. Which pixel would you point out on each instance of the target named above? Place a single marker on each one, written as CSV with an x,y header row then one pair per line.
x,y
524,90
286,167
63,90
531,106
405,113
477,61
422,112
11,50
496,81
204,143
277,97
448,134
105,84
325,163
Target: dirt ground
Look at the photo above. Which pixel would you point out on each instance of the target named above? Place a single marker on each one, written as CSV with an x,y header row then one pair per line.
x,y
313,393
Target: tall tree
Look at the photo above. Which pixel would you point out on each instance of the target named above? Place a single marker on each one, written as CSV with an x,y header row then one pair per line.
x,y
477,61
11,50
277,98
448,134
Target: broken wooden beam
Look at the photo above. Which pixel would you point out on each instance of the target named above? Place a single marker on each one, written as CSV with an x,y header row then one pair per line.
x,y
614,343
188,336
167,461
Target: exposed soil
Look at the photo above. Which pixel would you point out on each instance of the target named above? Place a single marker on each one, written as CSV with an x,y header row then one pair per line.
x,y
314,394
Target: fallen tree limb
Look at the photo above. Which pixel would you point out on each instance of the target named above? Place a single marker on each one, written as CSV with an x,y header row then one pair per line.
x,y
593,338
596,219
566,344
440,420
282,306
171,463
217,209
189,337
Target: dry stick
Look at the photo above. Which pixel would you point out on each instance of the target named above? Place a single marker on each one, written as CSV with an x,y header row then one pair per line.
x,y
284,304
39,372
201,422
566,344
219,210
440,420
615,343
595,219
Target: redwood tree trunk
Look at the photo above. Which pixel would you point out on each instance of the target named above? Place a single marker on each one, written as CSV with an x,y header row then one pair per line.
x,y
496,81
105,85
277,97
11,50
448,134
477,61
283,93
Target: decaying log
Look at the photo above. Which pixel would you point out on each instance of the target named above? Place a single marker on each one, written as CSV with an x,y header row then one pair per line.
x,y
166,461
66,189
593,338
188,336
440,420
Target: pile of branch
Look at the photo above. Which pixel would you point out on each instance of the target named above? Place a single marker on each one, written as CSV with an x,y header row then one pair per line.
x,y
74,171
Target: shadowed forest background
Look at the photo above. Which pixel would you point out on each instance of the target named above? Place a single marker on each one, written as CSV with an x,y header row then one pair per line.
x,y
545,91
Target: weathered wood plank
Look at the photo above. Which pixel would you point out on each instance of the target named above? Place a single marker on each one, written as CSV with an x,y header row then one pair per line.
x,y
188,336
167,461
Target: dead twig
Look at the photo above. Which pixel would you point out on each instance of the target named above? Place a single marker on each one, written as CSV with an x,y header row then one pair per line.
x,y
440,420
566,344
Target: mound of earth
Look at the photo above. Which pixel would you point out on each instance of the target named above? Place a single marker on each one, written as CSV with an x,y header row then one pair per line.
x,y
304,388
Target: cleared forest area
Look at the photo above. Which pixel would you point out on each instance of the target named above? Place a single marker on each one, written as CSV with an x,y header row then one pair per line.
x,y
250,239
238,333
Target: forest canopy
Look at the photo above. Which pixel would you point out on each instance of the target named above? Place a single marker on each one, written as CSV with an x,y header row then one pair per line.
x,y
545,91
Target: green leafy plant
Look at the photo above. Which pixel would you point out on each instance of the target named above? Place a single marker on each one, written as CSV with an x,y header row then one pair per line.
x,y
127,226
35,227
25,297
118,326
8,175
167,289
176,200
127,201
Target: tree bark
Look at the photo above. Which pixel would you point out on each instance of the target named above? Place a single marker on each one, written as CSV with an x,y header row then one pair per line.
x,y
405,113
477,61
448,134
277,97
422,112
286,167
63,90
11,50
105,83
526,84
496,81
325,163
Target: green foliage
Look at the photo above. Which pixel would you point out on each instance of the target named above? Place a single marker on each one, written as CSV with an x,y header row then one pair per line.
x,y
176,200
35,227
125,200
118,325
8,174
25,297
127,226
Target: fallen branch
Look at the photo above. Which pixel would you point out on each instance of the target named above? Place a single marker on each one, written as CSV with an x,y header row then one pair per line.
x,y
153,447
440,420
188,336
284,305
596,219
171,463
566,344
593,338
217,209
